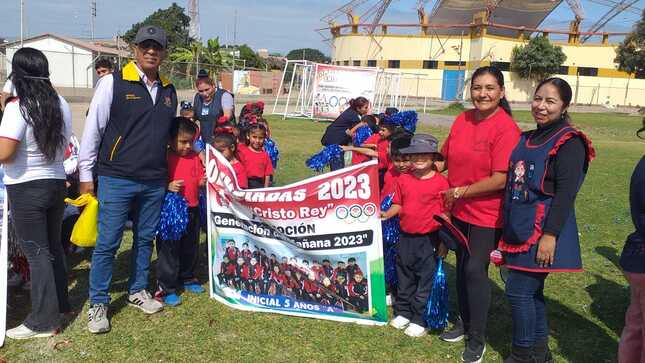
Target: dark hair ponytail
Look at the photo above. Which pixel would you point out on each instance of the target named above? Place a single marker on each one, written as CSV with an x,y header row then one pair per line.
x,y
39,102
499,76
358,102
564,90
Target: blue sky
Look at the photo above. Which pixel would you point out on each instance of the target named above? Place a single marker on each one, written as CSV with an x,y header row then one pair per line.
x,y
279,25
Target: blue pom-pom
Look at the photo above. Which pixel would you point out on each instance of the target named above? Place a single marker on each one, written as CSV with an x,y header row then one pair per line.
x,y
361,134
199,145
272,149
406,119
174,217
328,153
391,233
203,211
436,314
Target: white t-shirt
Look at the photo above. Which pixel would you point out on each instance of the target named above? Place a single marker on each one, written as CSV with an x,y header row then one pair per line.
x,y
29,163
9,88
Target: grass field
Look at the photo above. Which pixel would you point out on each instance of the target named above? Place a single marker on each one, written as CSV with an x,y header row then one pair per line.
x,y
585,310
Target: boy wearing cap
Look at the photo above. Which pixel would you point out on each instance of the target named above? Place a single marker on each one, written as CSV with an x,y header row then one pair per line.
x,y
417,199
126,136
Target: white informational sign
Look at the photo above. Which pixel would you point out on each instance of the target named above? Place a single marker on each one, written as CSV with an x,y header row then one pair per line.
x,y
334,86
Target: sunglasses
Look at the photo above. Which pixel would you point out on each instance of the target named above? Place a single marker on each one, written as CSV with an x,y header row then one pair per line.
x,y
150,44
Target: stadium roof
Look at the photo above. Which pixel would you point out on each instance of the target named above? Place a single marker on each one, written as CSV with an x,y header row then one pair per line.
x,y
526,13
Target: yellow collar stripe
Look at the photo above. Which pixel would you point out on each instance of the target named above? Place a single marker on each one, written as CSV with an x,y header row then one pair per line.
x,y
130,73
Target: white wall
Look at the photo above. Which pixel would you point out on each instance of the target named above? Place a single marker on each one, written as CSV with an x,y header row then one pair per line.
x,y
68,64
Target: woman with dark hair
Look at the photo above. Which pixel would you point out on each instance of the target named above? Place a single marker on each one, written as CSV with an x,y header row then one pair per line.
x,y
476,155
632,260
547,168
34,132
338,131
211,103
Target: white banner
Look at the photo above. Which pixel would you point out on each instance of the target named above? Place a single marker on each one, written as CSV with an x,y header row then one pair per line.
x,y
334,86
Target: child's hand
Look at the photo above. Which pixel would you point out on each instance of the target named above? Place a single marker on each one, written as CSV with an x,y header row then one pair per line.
x,y
175,186
442,250
385,216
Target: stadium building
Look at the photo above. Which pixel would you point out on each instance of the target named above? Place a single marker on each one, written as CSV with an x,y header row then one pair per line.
x,y
436,56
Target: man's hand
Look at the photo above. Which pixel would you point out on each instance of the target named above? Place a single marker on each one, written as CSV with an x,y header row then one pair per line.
x,y
86,187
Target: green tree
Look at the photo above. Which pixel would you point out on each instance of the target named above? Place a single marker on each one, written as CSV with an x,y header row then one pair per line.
x,y
188,56
309,54
630,54
253,60
173,20
537,60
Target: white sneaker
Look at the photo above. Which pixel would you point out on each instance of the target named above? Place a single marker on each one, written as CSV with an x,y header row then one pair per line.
x,y
22,332
144,301
415,330
400,322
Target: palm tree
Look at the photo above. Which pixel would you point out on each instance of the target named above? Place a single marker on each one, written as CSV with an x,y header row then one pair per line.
x,y
191,56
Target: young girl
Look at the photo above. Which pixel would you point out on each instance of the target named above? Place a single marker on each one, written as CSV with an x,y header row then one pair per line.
x,y
416,200
226,144
370,142
256,161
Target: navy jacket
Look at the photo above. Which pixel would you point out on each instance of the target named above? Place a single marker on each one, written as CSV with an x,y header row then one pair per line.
x,y
336,131
633,257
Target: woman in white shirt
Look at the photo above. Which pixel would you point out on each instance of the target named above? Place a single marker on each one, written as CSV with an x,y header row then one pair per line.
x,y
34,132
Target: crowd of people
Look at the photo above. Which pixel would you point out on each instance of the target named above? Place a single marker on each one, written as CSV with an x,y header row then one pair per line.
x,y
344,286
510,193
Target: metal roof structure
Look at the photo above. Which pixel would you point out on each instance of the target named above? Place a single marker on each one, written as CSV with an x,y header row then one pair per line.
x,y
518,13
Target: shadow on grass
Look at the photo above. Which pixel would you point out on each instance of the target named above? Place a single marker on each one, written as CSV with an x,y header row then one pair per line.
x,y
610,254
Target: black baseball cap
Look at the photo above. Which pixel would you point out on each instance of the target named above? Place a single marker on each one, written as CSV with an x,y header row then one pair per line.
x,y
151,32
421,144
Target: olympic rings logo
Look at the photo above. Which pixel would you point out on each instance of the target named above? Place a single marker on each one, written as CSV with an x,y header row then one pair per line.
x,y
355,213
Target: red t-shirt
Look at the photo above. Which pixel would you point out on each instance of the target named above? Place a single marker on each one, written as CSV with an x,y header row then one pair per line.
x,y
420,200
383,148
190,169
240,173
357,157
389,181
257,163
474,150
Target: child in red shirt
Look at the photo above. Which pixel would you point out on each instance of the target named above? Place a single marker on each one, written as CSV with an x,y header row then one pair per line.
x,y
177,260
226,144
256,161
400,164
417,198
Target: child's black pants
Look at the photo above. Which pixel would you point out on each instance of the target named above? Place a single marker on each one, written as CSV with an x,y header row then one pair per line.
x,y
177,260
415,266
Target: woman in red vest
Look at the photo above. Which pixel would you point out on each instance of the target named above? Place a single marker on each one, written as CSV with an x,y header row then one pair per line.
x,y
476,156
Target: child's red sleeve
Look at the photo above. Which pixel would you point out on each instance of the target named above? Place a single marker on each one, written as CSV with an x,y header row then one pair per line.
x,y
268,169
397,199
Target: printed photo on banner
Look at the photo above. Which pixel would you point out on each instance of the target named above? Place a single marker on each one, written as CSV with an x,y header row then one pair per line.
x,y
310,249
334,86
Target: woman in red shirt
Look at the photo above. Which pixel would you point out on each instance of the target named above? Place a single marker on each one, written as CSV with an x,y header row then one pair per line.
x,y
477,154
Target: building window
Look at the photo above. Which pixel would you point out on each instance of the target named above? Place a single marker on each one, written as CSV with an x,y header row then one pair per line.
x,y
394,64
588,71
371,63
430,64
502,66
563,70
345,63
455,63
357,63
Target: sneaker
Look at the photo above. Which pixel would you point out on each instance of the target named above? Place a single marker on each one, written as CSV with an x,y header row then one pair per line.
x,y
144,301
456,334
474,352
97,320
194,287
400,322
22,332
415,330
172,299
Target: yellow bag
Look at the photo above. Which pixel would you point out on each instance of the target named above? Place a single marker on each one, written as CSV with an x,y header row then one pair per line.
x,y
86,229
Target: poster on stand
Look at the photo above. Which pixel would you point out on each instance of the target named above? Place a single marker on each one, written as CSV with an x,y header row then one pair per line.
x,y
310,249
334,86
